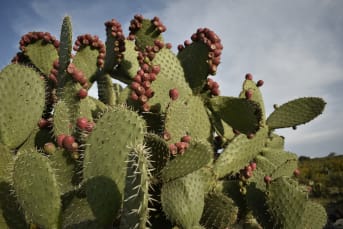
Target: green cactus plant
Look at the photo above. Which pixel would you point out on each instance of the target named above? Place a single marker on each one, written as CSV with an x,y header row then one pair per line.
x,y
162,149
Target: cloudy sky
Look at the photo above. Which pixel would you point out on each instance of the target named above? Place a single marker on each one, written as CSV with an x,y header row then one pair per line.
x,y
296,47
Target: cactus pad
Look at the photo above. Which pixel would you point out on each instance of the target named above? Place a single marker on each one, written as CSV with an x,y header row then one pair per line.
x,y
241,114
183,200
36,188
21,90
105,160
196,156
296,112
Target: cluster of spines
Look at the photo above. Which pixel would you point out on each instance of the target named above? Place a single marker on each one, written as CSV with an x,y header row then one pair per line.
x,y
93,42
32,37
114,29
212,41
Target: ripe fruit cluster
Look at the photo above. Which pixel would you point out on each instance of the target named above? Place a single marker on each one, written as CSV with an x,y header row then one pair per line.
x,y
181,146
247,172
32,37
84,124
249,93
95,43
212,41
114,29
212,86
141,85
79,77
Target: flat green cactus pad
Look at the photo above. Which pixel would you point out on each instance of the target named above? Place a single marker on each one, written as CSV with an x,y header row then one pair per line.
x,y
6,163
22,91
183,200
135,211
187,117
42,55
241,114
65,169
36,188
220,211
159,152
239,153
296,112
250,85
146,35
129,65
170,76
196,156
65,43
288,204
194,60
79,215
62,123
105,160
86,60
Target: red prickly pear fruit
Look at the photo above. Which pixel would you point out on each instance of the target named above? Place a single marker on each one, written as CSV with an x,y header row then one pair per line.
x,y
134,96
248,168
43,123
90,126
248,94
134,85
166,135
71,68
49,148
68,143
60,139
267,179
250,136
181,147
248,76
173,93
146,107
82,93
215,91
143,99
168,45
253,166
152,76
186,138
259,83
146,84
296,172
140,90
248,174
156,69
173,149
82,123
149,93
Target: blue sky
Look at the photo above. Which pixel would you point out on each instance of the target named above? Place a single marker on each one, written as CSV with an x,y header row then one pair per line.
x,y
294,46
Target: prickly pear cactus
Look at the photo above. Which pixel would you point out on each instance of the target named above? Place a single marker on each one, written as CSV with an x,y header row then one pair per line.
x,y
161,149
